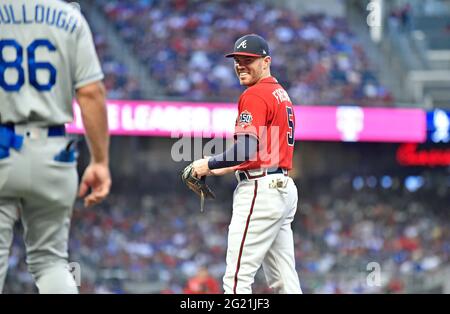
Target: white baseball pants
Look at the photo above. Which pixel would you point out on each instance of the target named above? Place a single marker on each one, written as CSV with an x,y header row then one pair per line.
x,y
43,191
260,234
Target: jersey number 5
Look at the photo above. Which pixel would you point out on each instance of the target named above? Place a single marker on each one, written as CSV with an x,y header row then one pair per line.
x,y
290,134
33,65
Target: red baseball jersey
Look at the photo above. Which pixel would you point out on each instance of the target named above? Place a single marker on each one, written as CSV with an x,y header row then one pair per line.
x,y
266,112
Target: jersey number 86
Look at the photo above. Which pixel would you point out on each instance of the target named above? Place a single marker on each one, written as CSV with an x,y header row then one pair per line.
x,y
33,65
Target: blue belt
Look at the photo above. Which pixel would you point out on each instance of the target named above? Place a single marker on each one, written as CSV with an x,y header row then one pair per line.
x,y
53,130
57,130
9,139
243,175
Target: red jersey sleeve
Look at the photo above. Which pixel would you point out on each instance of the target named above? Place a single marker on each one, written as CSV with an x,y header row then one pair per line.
x,y
251,116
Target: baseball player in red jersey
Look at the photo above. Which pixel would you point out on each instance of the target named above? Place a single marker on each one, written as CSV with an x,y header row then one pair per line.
x,y
265,199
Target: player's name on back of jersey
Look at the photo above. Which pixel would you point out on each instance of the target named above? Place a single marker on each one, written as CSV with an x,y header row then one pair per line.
x,y
38,14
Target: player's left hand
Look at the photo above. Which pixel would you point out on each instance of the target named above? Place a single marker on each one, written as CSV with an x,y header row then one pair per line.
x,y
201,167
98,178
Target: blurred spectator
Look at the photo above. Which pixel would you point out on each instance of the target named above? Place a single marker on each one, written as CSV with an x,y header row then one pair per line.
x,y
396,285
202,283
406,15
400,18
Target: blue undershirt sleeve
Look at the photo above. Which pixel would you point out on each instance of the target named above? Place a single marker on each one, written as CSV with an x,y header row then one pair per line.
x,y
243,149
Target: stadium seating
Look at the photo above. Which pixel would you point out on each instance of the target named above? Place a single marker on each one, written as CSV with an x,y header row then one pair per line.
x,y
182,43
119,83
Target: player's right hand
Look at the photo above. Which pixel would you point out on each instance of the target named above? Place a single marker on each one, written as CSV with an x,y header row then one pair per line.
x,y
98,178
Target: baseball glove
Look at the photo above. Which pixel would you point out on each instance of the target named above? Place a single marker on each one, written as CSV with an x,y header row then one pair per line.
x,y
197,185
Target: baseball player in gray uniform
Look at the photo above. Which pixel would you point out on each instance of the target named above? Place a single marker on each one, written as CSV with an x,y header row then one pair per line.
x,y
47,56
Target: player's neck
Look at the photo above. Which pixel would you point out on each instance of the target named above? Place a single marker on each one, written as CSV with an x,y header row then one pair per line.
x,y
264,76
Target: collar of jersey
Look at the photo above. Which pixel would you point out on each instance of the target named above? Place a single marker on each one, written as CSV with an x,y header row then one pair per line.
x,y
269,79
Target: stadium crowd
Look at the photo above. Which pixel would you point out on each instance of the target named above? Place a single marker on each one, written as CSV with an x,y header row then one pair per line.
x,y
182,43
142,240
119,82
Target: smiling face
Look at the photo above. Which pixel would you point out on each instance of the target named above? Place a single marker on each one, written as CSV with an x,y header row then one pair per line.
x,y
250,70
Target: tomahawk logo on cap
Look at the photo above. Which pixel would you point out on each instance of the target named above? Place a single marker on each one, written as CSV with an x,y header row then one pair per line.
x,y
250,45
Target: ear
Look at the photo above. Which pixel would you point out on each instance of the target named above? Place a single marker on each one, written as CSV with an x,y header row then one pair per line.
x,y
267,61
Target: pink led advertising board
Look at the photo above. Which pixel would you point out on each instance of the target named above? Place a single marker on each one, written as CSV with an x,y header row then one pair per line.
x,y
314,123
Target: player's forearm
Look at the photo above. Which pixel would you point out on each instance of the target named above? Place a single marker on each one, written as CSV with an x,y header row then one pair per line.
x,y
223,171
91,99
244,149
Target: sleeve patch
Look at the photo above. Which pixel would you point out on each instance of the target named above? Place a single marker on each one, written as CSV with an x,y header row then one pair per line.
x,y
245,119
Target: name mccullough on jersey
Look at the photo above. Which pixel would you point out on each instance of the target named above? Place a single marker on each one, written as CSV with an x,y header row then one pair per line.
x,y
38,14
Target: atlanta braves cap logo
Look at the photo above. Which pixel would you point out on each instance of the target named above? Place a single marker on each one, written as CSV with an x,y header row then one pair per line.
x,y
250,45
243,44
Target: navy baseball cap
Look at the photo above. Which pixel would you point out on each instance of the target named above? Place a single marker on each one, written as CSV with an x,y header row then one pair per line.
x,y
250,45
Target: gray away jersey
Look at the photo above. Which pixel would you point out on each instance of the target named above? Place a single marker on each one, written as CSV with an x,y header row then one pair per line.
x,y
46,52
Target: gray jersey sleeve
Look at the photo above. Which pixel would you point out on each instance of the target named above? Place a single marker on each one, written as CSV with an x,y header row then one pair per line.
x,y
87,65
